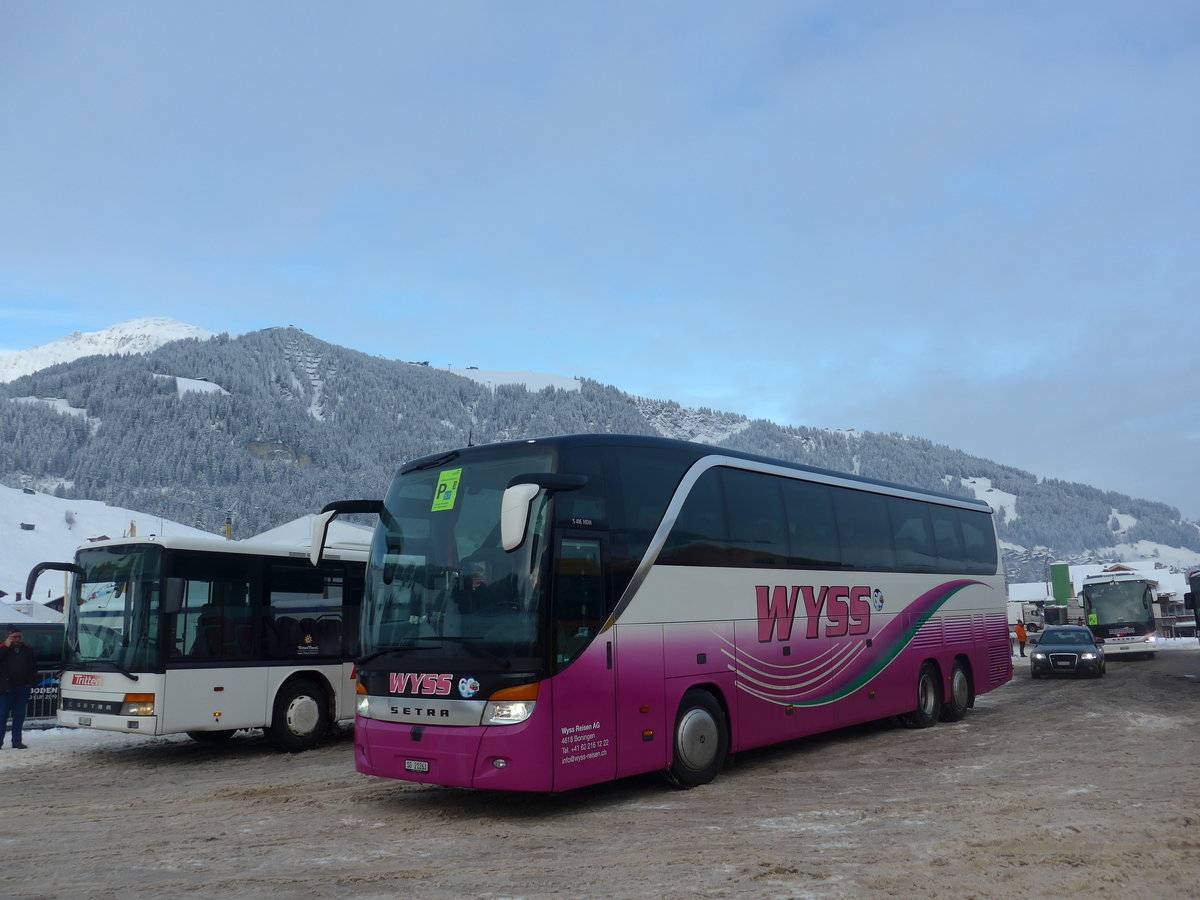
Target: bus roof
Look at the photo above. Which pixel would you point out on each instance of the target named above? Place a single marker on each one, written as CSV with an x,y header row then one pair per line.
x,y
698,450
217,544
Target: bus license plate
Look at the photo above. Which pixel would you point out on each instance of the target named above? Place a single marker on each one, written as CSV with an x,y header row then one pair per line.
x,y
416,765
85,720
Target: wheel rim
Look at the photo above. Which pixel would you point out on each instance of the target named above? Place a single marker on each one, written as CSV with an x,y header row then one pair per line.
x,y
960,690
302,715
927,696
697,741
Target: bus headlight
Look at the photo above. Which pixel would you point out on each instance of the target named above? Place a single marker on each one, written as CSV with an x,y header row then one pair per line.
x,y
138,705
511,705
1151,638
507,712
363,706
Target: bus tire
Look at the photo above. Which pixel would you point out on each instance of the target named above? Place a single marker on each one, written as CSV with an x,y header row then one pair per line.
x,y
300,718
929,699
701,740
961,693
212,737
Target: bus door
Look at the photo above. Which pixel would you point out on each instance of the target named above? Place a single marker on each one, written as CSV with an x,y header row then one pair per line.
x,y
584,698
211,683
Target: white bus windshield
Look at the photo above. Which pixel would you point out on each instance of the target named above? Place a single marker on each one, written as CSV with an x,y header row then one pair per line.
x,y
113,618
1117,602
438,579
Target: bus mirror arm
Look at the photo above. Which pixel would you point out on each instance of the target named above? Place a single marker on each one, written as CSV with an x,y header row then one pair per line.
x,y
41,567
518,498
322,521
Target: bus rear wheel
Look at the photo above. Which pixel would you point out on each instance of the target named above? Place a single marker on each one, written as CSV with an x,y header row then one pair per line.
x,y
929,699
301,717
701,740
958,700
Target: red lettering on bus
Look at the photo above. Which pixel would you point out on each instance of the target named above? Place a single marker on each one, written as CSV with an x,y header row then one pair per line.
x,y
775,606
843,609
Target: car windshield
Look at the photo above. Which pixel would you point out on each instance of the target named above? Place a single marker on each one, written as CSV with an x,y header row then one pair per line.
x,y
1067,637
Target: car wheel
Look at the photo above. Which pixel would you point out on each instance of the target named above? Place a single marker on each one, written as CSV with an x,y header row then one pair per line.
x,y
301,717
958,700
701,740
929,699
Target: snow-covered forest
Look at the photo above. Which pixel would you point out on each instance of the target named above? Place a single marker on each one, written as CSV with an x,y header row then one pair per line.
x,y
271,425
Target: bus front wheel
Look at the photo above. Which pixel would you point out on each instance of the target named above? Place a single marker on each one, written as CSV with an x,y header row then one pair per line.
x,y
301,717
701,740
929,699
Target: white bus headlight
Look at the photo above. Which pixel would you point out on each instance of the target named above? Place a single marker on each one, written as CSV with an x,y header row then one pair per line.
x,y
507,712
510,706
138,705
363,706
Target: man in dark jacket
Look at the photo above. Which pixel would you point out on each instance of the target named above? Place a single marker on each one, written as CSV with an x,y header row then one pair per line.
x,y
18,673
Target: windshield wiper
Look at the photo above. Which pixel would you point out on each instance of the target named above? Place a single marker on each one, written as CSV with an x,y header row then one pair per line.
x,y
361,661
116,665
470,643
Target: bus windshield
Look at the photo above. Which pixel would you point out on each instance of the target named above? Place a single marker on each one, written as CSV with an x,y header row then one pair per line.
x,y
1117,602
113,617
438,579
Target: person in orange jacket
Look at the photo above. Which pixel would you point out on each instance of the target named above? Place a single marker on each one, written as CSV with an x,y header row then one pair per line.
x,y
1021,636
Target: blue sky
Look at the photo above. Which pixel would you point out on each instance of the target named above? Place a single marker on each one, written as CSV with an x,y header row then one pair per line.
x,y
972,222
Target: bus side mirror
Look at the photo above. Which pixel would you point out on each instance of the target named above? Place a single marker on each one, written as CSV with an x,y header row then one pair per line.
x,y
518,499
31,581
173,596
514,514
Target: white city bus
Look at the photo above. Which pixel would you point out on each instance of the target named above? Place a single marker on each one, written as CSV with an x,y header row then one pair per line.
x,y
1119,607
546,614
205,636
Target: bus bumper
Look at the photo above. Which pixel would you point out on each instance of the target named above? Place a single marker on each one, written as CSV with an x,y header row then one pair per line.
x,y
493,758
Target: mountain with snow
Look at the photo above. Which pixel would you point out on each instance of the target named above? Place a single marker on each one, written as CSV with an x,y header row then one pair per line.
x,y
135,336
37,527
259,429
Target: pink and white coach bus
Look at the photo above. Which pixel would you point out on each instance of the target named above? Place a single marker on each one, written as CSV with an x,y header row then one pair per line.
x,y
547,614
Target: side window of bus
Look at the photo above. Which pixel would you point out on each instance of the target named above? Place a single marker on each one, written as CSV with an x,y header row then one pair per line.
x,y
864,529
646,481
758,534
948,533
978,541
304,613
699,536
811,524
913,535
578,597
215,622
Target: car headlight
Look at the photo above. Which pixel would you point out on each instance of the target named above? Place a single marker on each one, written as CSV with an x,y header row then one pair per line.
x,y
1087,655
1039,655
